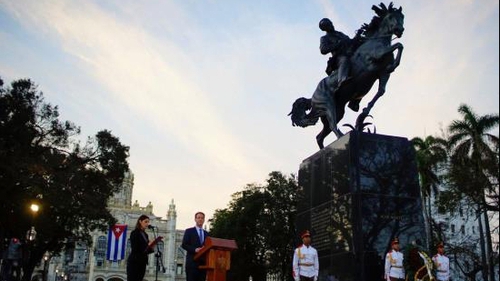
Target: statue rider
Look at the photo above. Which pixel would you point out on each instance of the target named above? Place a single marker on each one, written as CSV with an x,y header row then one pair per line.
x,y
336,43
341,47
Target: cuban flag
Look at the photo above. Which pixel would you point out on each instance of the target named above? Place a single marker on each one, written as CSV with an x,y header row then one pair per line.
x,y
117,240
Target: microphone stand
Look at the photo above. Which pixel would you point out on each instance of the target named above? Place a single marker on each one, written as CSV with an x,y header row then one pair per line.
x,y
158,259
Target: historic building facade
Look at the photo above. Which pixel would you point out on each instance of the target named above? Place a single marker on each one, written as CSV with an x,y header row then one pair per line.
x,y
462,240
89,263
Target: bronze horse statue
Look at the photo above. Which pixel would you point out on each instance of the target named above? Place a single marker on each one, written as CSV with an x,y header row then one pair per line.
x,y
372,60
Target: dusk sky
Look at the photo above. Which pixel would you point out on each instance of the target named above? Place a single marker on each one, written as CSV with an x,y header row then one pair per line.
x,y
200,89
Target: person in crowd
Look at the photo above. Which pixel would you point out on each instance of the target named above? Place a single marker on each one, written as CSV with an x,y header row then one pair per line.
x,y
12,257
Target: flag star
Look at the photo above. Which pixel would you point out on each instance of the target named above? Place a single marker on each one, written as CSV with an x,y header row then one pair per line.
x,y
117,230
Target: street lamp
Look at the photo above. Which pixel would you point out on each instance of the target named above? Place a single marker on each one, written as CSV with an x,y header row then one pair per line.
x,y
34,208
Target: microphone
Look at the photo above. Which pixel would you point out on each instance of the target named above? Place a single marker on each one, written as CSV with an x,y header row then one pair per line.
x,y
151,226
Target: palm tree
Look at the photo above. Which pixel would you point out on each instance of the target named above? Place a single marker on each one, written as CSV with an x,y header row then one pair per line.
x,y
471,143
430,153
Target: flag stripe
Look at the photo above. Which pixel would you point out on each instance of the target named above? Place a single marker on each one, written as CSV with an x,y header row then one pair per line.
x,y
122,248
110,237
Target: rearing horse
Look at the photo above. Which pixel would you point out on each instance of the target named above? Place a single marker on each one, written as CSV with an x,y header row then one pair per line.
x,y
373,60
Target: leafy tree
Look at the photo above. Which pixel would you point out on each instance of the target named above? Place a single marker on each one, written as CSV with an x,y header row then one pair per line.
x,y
43,163
473,146
430,153
473,172
282,209
466,259
241,222
261,219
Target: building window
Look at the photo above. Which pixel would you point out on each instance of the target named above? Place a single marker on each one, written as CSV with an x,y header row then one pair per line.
x,y
461,212
115,264
462,229
179,269
128,248
100,251
452,228
161,246
473,229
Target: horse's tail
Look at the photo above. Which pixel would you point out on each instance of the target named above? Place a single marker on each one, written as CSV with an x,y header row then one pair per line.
x,y
299,114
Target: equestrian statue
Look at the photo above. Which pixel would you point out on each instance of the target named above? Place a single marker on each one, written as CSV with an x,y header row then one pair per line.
x,y
352,70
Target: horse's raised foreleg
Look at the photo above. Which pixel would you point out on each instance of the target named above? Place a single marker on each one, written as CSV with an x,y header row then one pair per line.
x,y
399,47
324,132
381,90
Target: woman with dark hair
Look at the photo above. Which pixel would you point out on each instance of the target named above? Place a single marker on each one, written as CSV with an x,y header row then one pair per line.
x,y
141,247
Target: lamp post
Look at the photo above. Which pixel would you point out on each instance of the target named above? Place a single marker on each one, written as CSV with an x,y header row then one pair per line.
x,y
31,233
45,263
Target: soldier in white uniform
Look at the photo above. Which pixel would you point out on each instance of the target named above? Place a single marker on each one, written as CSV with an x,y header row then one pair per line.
x,y
305,260
394,270
442,264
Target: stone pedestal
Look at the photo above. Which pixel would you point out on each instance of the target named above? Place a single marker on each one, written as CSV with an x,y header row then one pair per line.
x,y
360,192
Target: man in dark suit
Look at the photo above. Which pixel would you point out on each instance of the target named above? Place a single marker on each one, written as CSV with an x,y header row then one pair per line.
x,y
192,242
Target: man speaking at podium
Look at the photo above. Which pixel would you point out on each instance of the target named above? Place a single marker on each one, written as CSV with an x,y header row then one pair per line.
x,y
192,242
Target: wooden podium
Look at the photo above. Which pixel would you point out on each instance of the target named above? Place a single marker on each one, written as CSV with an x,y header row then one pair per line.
x,y
217,253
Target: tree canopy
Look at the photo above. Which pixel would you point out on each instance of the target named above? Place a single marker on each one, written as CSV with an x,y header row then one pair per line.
x,y
44,163
261,219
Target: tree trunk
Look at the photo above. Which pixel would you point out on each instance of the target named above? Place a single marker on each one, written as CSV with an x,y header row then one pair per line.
x,y
489,250
430,238
484,266
426,218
